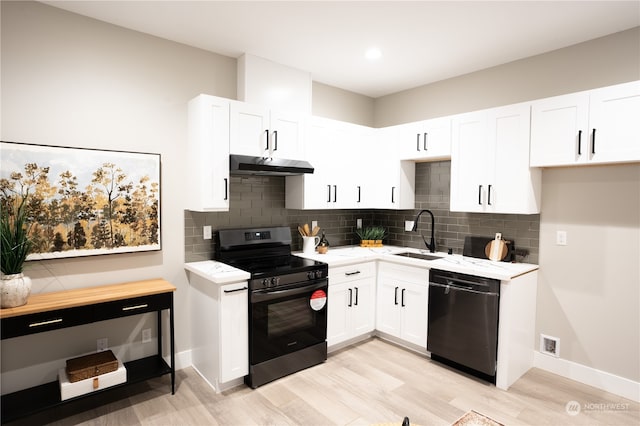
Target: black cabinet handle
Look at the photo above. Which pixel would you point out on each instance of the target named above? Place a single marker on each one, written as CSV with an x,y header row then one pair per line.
x,y
359,193
424,141
593,142
328,193
275,140
480,194
402,304
226,189
395,299
393,195
418,142
348,274
335,193
579,142
236,290
489,195
356,302
350,298
267,133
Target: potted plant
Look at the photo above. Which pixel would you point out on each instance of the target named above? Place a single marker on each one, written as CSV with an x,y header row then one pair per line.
x,y
378,233
15,243
371,236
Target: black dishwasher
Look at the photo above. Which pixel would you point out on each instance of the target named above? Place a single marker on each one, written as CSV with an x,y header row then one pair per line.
x,y
463,322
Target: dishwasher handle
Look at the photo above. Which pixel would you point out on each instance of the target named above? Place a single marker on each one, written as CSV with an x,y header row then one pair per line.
x,y
452,286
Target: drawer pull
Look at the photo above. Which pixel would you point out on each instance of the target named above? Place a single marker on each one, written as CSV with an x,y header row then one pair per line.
x,y
236,290
38,324
347,274
131,308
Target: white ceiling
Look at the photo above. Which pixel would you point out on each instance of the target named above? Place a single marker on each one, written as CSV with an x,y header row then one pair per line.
x,y
421,41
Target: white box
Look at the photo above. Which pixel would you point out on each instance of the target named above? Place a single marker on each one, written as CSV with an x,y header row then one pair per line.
x,y
71,390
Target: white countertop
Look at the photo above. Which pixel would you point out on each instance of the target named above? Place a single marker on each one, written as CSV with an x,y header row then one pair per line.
x,y
503,271
217,272
221,273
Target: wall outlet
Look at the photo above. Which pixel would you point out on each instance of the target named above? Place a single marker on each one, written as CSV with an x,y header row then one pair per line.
x,y
206,232
146,335
561,238
102,344
359,223
314,223
408,225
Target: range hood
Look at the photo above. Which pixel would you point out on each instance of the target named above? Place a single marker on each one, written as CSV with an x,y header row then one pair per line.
x,y
248,165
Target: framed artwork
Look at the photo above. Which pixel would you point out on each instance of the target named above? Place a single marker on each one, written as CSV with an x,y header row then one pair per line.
x,y
83,202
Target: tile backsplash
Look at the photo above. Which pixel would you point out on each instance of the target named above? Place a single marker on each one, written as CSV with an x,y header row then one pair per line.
x,y
259,201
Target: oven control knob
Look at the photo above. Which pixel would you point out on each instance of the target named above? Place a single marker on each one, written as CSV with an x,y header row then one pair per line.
x,y
318,274
311,275
266,282
275,281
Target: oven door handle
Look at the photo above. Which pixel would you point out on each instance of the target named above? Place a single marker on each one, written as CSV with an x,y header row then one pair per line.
x,y
258,296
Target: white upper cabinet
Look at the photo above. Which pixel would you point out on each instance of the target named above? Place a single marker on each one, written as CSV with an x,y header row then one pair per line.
x,y
592,127
208,154
256,130
424,140
490,162
334,150
354,168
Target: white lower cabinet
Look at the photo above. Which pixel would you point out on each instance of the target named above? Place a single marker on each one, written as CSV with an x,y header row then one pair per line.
x,y
352,295
402,302
219,331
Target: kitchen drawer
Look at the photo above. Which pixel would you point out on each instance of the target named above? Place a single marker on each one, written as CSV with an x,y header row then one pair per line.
x,y
45,321
404,273
343,274
134,306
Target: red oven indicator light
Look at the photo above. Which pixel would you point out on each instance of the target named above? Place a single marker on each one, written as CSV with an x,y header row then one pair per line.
x,y
318,300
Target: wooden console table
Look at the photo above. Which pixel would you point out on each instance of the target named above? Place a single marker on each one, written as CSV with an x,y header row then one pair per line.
x,y
53,311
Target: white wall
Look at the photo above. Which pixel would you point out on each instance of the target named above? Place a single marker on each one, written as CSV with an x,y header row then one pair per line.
x,y
600,62
72,81
589,290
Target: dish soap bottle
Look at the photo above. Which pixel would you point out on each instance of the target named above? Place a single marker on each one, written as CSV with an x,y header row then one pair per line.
x,y
323,245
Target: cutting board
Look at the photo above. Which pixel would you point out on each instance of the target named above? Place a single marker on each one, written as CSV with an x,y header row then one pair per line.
x,y
496,250
475,246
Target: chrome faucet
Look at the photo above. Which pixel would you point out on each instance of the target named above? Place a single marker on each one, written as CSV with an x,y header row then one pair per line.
x,y
431,245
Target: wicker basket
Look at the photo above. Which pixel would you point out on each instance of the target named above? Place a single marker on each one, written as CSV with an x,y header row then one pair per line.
x,y
91,365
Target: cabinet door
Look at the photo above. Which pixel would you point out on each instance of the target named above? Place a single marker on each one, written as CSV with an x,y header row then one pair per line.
x,y
559,130
470,162
234,331
388,303
249,130
287,135
413,302
338,321
423,140
512,187
614,124
208,154
363,311
391,186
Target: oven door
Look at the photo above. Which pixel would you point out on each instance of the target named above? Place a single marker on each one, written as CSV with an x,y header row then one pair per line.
x,y
282,321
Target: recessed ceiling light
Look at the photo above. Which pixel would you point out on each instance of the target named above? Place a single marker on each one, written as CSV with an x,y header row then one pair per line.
x,y
373,53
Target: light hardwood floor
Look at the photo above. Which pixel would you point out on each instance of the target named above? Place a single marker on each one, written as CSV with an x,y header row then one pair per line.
x,y
368,383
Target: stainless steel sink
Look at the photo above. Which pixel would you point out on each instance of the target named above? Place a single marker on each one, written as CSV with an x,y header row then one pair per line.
x,y
419,256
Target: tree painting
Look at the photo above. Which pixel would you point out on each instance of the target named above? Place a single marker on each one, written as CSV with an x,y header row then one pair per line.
x,y
82,201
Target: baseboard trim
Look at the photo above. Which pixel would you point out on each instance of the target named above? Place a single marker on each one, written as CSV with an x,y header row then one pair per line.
x,y
589,376
183,360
